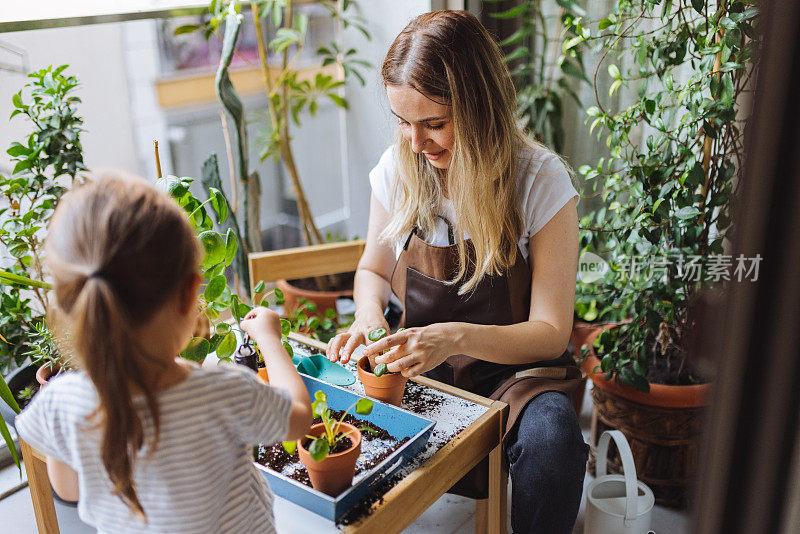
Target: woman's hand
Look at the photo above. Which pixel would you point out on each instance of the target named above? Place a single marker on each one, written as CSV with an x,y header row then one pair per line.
x,y
342,346
417,350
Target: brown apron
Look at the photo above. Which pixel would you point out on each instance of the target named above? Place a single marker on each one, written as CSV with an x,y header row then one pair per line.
x,y
418,281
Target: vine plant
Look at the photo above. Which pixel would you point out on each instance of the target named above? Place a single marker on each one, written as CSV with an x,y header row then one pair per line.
x,y
671,173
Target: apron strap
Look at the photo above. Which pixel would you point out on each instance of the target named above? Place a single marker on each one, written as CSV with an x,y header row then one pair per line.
x,y
451,240
408,239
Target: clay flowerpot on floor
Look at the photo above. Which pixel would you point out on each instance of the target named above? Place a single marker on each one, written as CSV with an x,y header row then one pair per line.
x,y
45,373
388,388
335,472
323,299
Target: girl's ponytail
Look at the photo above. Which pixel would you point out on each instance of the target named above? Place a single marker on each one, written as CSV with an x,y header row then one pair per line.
x,y
118,250
99,330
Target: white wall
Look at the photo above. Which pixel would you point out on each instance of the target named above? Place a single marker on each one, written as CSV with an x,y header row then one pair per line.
x,y
369,124
95,56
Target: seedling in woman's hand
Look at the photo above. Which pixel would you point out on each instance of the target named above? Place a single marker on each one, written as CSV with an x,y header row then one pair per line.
x,y
375,335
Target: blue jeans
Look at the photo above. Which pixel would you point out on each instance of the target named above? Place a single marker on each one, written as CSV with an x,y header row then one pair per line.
x,y
547,462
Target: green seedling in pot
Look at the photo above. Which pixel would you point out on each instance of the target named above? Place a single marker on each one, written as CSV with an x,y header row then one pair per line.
x,y
321,445
375,335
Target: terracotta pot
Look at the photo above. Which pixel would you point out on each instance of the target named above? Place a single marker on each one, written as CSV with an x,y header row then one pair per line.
x,y
387,388
335,473
664,396
323,299
262,374
45,373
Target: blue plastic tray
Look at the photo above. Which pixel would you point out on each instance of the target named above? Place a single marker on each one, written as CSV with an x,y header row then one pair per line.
x,y
399,423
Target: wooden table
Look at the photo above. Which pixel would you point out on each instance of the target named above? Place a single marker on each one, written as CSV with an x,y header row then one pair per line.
x,y
403,503
421,488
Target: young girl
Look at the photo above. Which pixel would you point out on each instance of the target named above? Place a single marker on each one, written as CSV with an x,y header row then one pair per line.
x,y
143,440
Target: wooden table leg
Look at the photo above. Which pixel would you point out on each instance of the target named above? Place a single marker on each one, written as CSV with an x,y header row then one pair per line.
x,y
491,514
41,494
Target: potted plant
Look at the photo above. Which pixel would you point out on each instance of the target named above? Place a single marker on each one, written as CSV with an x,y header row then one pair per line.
x,y
288,96
331,448
667,213
378,382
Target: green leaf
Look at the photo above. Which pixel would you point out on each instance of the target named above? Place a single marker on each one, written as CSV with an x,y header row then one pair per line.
x,y
22,165
687,213
519,52
16,100
214,288
7,396
510,13
605,23
290,447
219,203
376,334
319,449
279,295
288,348
320,396
286,327
364,406
231,246
186,28
9,442
197,350
319,407
380,369
222,328
338,100
698,5
613,71
227,346
259,287
330,313
17,149
214,246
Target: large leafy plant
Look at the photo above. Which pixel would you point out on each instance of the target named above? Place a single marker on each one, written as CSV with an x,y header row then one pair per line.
x,y
289,95
46,164
670,175
544,58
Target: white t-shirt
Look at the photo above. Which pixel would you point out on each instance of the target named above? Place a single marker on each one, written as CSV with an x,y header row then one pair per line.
x,y
201,477
543,188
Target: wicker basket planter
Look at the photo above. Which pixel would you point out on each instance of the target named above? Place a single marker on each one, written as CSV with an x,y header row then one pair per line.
x,y
663,428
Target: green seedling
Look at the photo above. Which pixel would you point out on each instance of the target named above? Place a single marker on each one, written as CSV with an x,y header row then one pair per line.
x,y
376,334
381,369
321,445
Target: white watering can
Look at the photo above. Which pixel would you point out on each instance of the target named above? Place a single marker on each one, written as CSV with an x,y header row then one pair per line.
x,y
617,504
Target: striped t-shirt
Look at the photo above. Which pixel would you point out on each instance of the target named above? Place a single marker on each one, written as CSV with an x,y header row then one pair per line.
x,y
200,478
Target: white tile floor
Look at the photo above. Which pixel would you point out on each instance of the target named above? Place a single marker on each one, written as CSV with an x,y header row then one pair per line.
x,y
449,515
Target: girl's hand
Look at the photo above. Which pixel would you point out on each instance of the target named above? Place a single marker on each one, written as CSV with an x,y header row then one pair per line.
x,y
342,346
261,322
416,350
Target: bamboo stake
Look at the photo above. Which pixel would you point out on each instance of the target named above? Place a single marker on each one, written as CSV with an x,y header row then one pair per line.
x,y
158,160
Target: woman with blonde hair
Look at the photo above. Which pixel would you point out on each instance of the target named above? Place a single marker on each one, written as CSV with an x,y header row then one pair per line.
x,y
474,227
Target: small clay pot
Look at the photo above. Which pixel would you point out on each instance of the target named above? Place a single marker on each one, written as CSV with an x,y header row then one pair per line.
x,y
262,374
323,299
45,373
334,474
388,388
